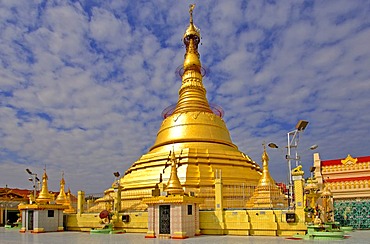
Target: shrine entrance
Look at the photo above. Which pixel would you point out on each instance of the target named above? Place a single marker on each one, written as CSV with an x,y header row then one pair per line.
x,y
164,219
30,220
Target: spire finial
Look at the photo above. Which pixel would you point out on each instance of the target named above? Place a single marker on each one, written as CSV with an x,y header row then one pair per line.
x,y
191,8
265,157
44,196
192,92
62,197
174,185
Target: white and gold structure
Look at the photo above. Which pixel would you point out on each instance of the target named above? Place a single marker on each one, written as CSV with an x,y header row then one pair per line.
x,y
42,216
173,214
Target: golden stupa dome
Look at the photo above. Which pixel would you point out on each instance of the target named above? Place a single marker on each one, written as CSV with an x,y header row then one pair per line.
x,y
195,132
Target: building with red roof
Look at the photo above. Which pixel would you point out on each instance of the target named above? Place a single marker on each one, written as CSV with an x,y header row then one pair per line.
x,y
349,181
10,198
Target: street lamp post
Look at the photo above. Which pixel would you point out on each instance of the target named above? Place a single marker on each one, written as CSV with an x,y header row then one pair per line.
x,y
6,205
293,139
117,197
34,180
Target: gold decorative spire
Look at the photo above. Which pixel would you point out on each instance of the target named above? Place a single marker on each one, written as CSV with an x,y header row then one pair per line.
x,y
68,203
191,8
44,196
192,120
192,92
267,194
266,178
174,186
62,197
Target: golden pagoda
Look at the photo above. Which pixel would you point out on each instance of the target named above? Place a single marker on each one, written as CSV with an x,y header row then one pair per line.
x,y
174,186
197,133
267,194
62,197
70,209
44,197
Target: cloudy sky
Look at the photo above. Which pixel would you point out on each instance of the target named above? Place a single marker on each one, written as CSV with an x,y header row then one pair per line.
x,y
83,83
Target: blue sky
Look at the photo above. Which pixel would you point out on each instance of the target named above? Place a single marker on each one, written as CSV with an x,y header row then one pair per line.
x,y
83,83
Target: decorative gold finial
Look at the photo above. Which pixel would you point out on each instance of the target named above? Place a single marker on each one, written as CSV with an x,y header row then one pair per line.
x,y
192,92
174,186
265,156
44,196
62,197
191,8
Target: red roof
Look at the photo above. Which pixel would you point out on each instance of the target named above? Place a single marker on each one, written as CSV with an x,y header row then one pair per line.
x,y
338,161
21,192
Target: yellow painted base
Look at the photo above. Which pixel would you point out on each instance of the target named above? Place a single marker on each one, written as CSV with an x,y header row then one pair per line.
x,y
263,233
150,234
235,222
179,235
85,222
38,230
291,232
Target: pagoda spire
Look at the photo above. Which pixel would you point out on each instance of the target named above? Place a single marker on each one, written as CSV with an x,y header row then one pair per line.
x,y
266,179
267,194
174,186
192,94
44,196
62,197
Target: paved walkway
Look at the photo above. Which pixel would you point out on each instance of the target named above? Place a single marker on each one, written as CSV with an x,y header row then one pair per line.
x,y
13,236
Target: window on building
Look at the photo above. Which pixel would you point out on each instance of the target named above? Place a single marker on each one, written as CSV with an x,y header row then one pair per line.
x,y
50,213
190,209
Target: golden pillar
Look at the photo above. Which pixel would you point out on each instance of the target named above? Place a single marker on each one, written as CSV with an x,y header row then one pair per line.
x,y
80,202
297,175
219,207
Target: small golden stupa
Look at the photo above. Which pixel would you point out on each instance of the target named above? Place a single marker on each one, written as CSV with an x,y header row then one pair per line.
x,y
44,197
70,209
267,195
198,135
173,186
62,197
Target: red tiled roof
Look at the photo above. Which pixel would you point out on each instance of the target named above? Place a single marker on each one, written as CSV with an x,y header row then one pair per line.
x,y
338,161
21,192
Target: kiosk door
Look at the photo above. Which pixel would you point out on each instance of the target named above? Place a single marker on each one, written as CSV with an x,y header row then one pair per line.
x,y
164,219
30,220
